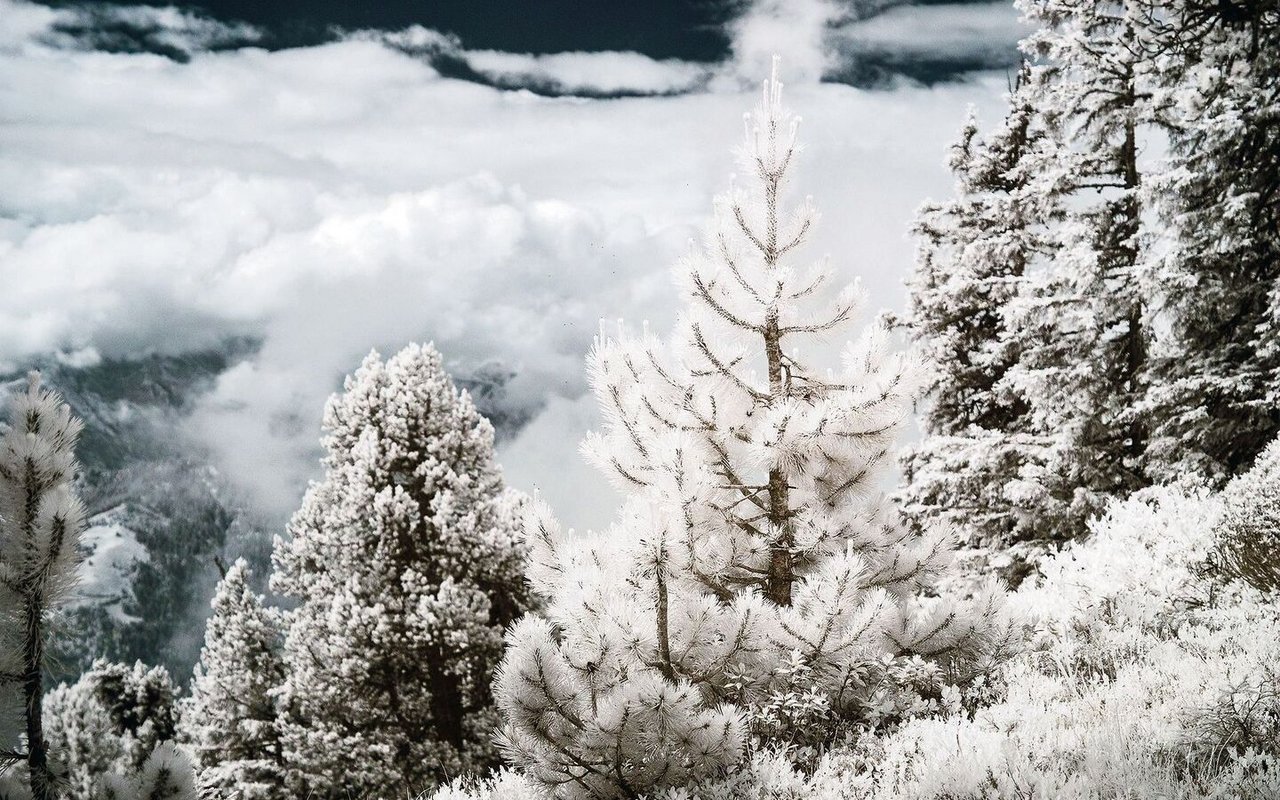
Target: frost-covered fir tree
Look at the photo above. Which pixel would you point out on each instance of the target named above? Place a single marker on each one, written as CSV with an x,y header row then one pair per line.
x,y
1084,320
1215,390
1077,325
40,523
406,562
109,721
230,719
754,545
974,252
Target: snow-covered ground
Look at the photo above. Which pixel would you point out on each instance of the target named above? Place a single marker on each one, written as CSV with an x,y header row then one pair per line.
x,y
112,555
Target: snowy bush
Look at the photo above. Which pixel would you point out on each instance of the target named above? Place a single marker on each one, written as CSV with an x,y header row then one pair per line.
x,y
1144,680
110,720
756,587
1249,534
504,785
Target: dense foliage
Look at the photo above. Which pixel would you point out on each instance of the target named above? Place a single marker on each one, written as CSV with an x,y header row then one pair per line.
x,y
1099,315
405,561
1146,676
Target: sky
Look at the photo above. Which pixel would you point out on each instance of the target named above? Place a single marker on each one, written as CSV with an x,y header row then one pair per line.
x,y
330,177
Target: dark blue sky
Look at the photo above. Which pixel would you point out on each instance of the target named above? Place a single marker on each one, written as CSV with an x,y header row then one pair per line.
x,y
686,29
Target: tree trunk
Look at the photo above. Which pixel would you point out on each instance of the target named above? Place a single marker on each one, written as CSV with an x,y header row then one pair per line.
x,y
781,569
33,652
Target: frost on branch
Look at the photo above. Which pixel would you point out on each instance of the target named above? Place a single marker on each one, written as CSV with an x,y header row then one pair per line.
x,y
974,251
1031,292
108,721
1213,391
754,534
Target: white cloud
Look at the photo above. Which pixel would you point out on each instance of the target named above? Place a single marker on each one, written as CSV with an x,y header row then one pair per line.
x,y
595,73
970,30
545,458
336,198
806,34
22,22
796,30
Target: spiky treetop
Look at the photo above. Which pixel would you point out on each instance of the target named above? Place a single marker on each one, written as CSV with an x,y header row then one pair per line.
x,y
40,524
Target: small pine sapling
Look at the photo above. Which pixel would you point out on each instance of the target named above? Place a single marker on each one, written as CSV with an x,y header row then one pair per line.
x,y
754,543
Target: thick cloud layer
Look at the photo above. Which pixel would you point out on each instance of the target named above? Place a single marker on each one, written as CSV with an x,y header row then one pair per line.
x,y
341,197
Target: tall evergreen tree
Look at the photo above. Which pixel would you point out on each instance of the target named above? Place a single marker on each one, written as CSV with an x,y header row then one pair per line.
x,y
40,523
1036,420
974,253
753,544
1215,376
1083,319
406,562
230,719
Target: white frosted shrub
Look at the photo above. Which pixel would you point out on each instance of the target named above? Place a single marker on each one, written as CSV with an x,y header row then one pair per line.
x,y
1144,680
504,785
1249,533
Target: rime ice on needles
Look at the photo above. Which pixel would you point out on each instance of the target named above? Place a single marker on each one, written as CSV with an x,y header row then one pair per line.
x,y
1056,244
752,532
40,523
166,775
973,253
41,516
110,721
1084,318
1214,394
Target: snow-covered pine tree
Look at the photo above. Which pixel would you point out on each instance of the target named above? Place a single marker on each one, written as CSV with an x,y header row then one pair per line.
x,y
1215,378
974,251
40,523
110,720
230,719
406,560
1082,322
753,544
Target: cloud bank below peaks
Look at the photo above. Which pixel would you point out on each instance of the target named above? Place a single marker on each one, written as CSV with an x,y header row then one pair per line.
x,y
331,199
